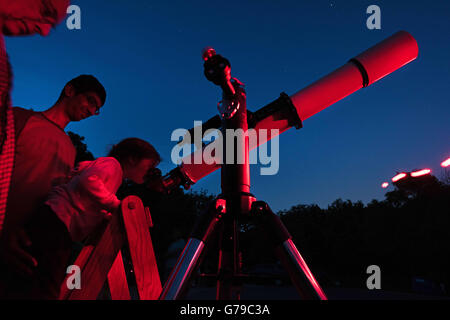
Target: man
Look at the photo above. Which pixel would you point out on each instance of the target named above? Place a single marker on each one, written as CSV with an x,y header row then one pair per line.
x,y
19,17
44,157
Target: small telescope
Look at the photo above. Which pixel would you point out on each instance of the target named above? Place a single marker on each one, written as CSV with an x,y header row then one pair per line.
x,y
289,111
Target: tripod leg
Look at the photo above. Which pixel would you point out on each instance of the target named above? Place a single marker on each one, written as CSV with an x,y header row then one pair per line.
x,y
228,261
179,279
290,257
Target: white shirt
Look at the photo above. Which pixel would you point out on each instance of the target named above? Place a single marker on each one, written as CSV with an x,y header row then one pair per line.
x,y
91,192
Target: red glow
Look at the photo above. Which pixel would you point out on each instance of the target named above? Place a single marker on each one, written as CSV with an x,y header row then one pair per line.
x,y
398,177
384,185
446,163
208,52
420,173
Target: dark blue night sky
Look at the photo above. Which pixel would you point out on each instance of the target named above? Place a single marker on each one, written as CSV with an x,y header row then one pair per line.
x,y
148,56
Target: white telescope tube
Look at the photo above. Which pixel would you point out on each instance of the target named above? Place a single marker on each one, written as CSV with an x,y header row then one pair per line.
x,y
361,71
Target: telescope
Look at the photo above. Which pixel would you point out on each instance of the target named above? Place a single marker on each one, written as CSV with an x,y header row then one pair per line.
x,y
290,111
236,203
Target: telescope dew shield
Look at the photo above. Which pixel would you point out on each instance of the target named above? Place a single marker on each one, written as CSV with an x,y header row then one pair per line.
x,y
388,56
361,71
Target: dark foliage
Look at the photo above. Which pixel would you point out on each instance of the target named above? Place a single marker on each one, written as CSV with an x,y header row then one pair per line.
x,y
83,154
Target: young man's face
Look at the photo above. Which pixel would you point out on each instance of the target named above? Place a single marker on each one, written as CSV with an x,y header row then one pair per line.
x,y
26,17
83,105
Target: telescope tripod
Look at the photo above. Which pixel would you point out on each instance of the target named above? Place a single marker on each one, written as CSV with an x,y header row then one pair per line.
x,y
218,220
236,202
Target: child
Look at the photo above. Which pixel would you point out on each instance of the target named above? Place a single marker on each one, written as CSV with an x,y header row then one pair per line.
x,y
73,210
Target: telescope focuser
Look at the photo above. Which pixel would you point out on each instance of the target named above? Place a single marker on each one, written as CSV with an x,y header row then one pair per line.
x,y
171,181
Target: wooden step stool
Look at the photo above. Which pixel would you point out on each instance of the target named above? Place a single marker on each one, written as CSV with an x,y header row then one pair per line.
x,y
101,259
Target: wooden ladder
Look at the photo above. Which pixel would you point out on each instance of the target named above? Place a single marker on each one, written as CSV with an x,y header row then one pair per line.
x,y
101,259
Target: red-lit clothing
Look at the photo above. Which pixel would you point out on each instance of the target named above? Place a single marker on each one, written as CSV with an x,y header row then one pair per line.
x,y
91,193
7,136
71,212
44,157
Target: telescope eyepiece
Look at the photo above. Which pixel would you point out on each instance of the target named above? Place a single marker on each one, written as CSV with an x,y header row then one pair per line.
x,y
207,53
217,69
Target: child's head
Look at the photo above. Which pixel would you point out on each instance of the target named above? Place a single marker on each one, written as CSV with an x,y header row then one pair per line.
x,y
136,157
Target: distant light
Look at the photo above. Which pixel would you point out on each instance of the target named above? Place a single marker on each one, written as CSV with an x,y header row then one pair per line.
x,y
420,173
398,177
384,185
446,163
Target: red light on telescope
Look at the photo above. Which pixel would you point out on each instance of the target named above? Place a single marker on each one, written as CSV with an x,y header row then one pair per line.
x,y
384,185
208,52
420,173
398,177
446,163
